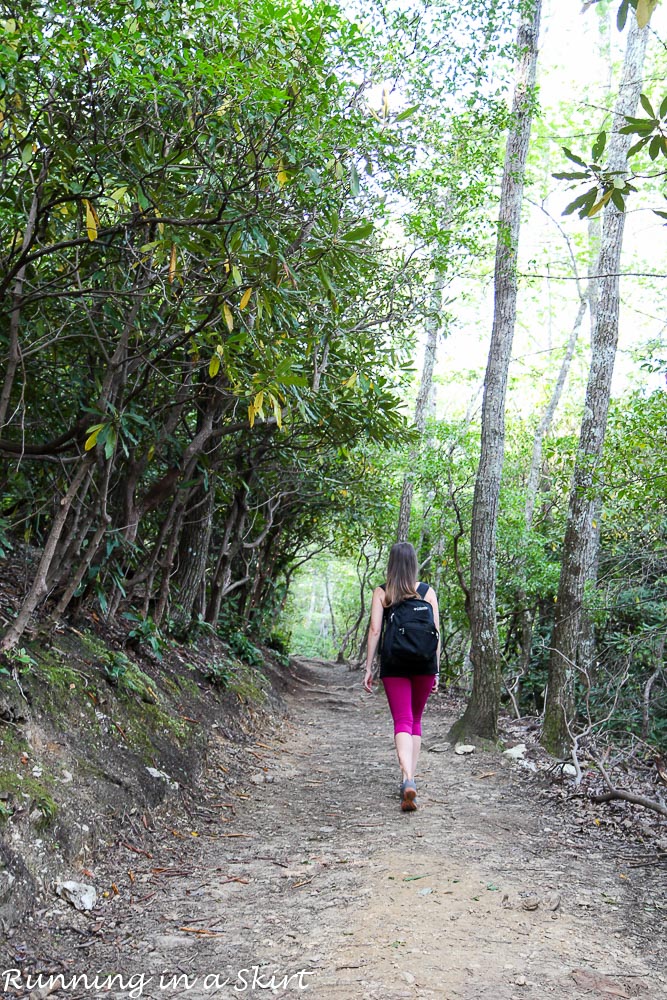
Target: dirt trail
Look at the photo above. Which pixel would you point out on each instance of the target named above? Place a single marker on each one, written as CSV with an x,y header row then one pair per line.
x,y
319,872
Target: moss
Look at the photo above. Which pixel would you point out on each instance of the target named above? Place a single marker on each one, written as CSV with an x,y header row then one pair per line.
x,y
12,740
14,784
93,645
188,685
145,721
248,684
124,675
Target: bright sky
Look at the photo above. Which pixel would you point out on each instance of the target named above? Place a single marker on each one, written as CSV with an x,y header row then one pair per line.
x,y
572,72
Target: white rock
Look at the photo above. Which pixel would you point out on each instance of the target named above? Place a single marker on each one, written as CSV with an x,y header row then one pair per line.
x,y
67,777
464,748
516,753
154,773
570,770
80,895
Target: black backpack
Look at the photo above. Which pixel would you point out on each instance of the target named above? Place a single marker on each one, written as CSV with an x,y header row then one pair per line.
x,y
410,637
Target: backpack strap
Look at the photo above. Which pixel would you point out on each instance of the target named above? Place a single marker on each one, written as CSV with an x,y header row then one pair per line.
x,y
422,589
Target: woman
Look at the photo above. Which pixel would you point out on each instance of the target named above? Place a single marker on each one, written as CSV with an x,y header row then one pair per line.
x,y
408,679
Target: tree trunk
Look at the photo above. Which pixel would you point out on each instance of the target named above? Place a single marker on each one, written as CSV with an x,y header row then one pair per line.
x,y
534,480
481,714
193,547
560,708
587,650
432,327
39,587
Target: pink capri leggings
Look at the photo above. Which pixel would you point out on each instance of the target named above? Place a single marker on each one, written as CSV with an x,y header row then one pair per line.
x,y
407,697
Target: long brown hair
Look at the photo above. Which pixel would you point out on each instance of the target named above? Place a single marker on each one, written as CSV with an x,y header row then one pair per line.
x,y
402,572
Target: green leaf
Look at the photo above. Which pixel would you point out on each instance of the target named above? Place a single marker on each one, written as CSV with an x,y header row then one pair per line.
x,y
407,113
110,443
639,145
655,147
572,156
663,215
354,181
599,145
622,15
565,175
663,107
643,127
646,104
618,200
359,233
583,201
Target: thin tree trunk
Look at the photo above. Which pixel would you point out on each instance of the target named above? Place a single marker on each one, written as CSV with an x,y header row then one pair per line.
x,y
646,701
534,479
14,352
432,327
39,587
560,707
481,715
586,655
547,417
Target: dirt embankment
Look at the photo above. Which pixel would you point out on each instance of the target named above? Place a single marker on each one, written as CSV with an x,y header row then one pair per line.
x,y
295,872
97,733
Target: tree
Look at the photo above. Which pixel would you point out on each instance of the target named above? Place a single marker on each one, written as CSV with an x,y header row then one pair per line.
x,y
560,707
423,397
481,714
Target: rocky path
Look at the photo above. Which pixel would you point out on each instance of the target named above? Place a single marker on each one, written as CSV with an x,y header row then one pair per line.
x,y
300,876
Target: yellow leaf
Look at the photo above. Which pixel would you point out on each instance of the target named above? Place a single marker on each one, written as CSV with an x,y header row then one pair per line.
x,y
602,202
229,318
92,436
173,260
277,411
92,220
214,366
645,9
220,350
251,415
282,176
258,403
245,299
350,382
236,275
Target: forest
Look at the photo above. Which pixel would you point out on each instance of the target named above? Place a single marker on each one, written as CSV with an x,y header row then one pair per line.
x,y
284,281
